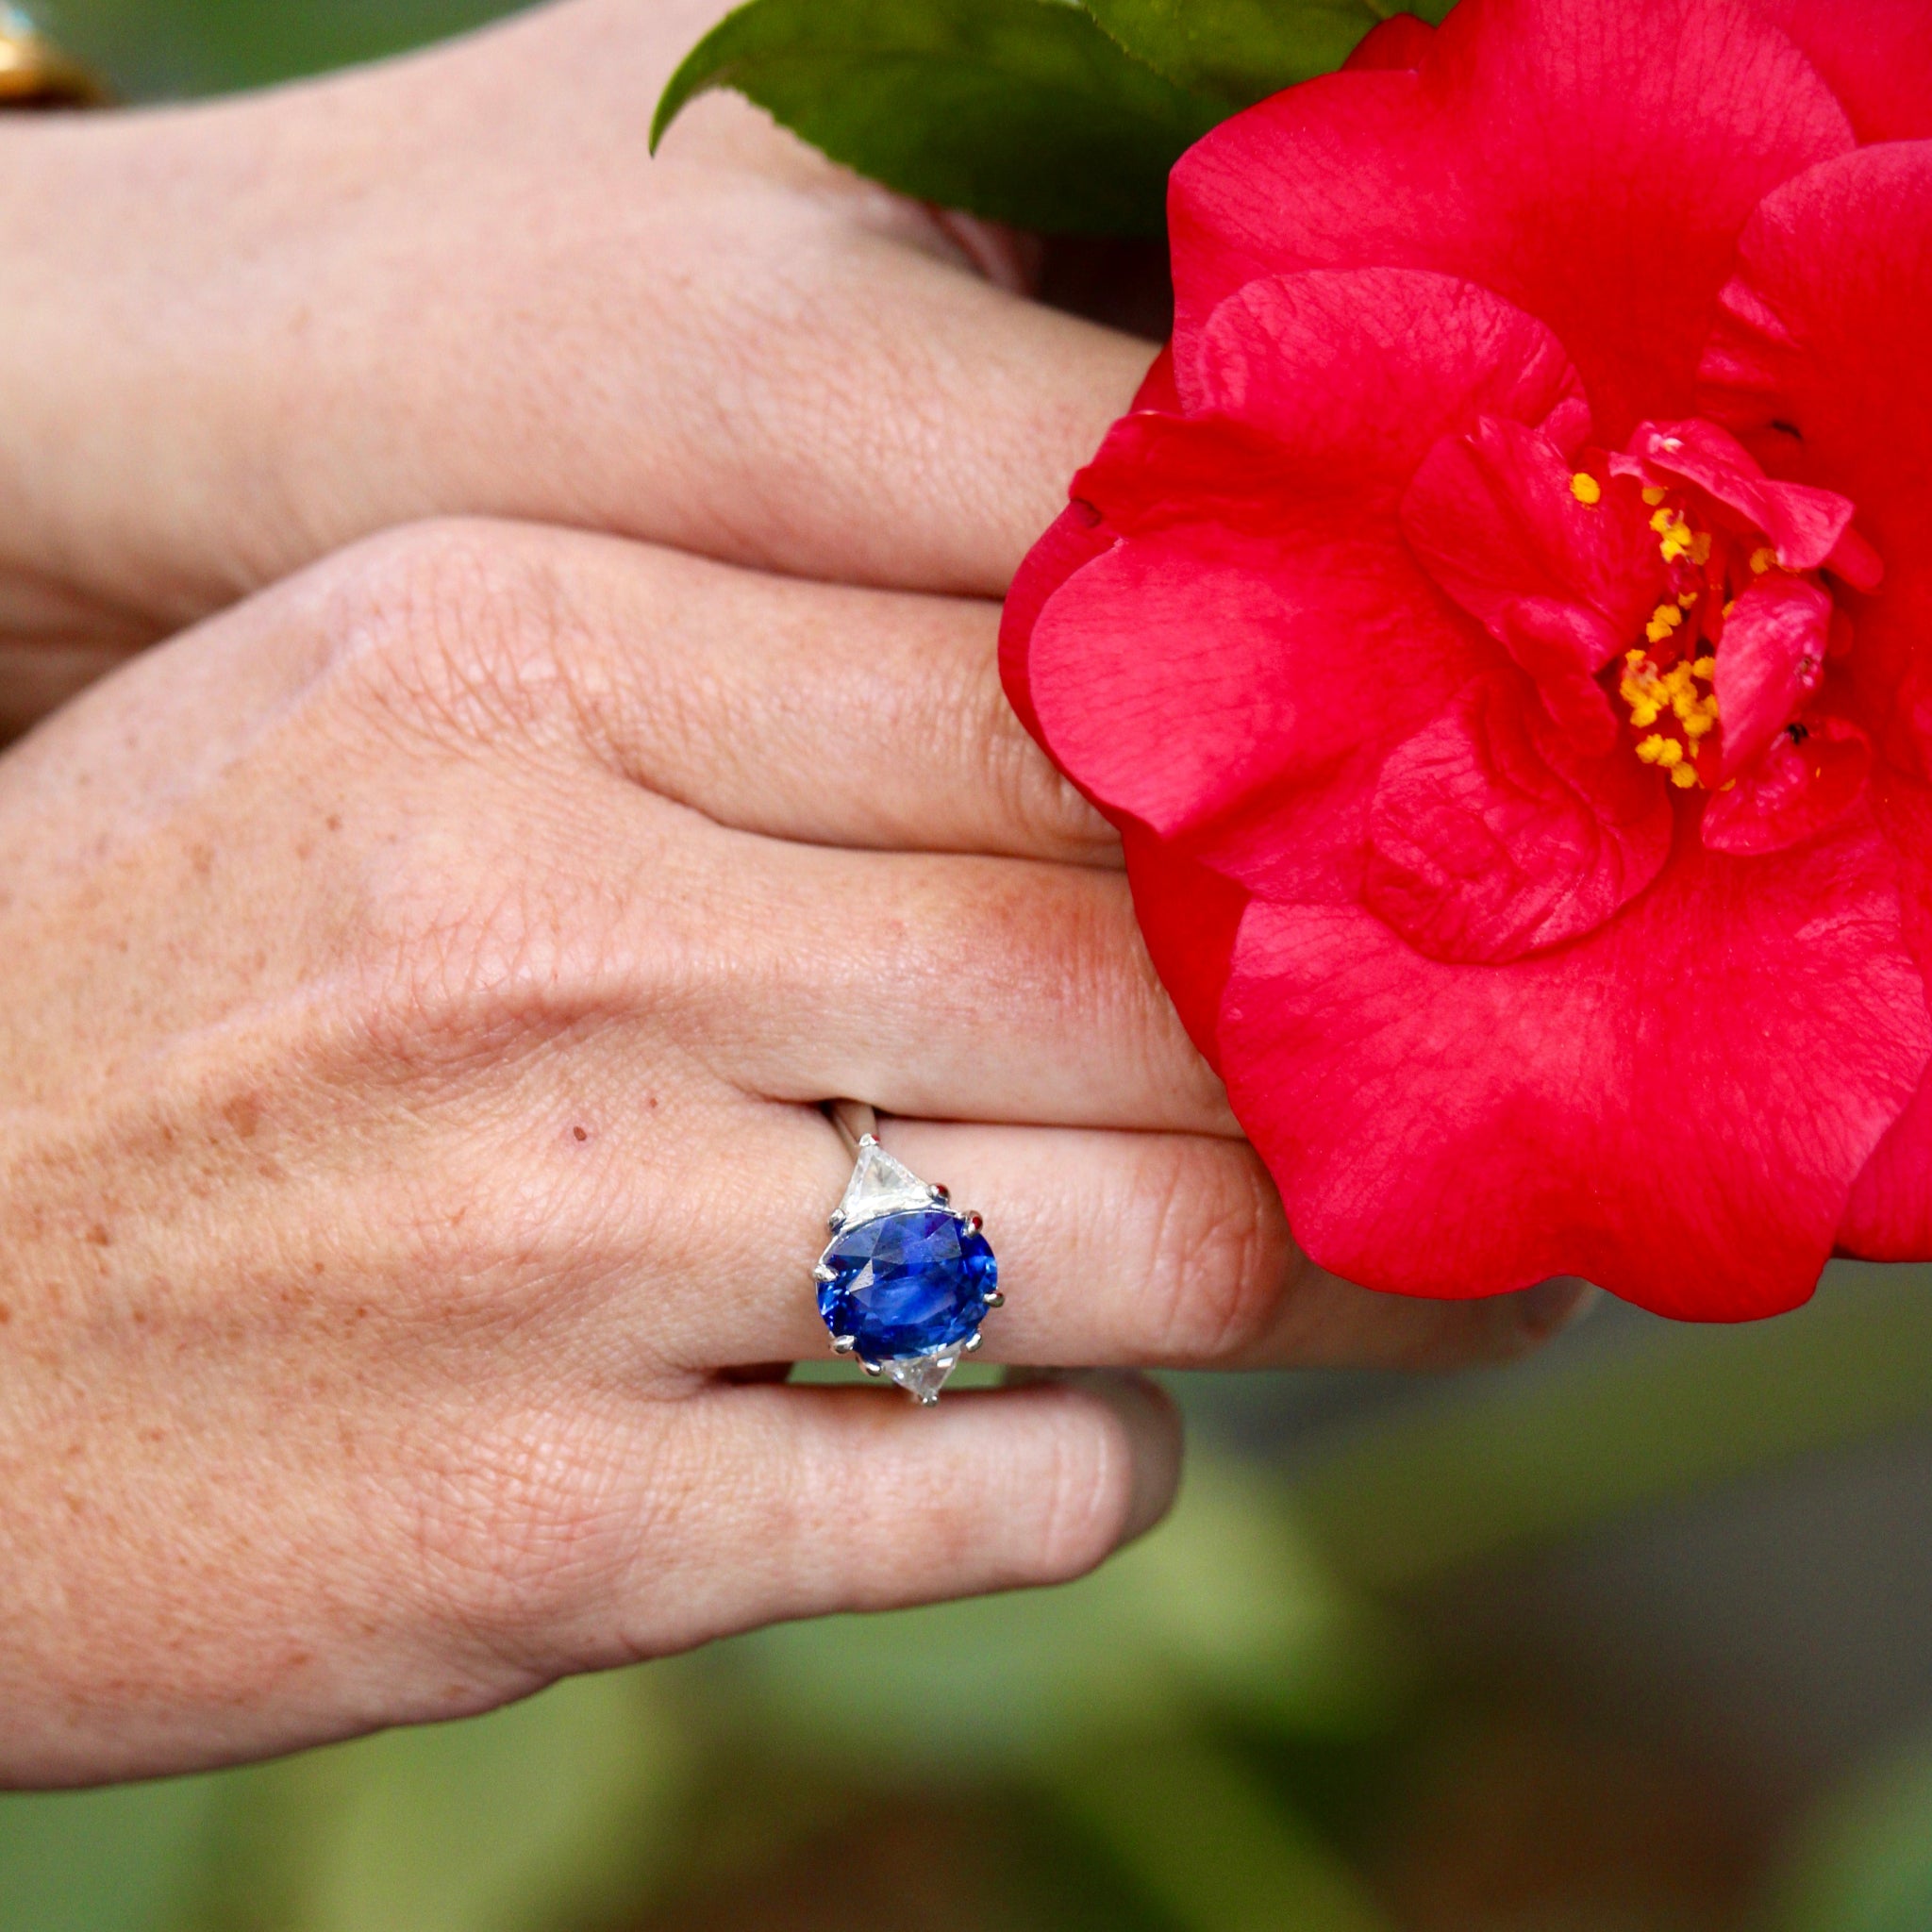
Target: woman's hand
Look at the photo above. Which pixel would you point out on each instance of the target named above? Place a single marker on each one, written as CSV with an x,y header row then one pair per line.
x,y
420,981
240,335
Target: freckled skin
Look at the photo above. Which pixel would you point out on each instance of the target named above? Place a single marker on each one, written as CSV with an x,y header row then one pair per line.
x,y
405,1245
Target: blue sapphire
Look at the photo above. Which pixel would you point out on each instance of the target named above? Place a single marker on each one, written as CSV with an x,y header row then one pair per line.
x,y
908,1284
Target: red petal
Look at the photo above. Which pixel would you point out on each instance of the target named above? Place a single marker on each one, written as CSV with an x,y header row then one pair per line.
x,y
1493,517
1890,1215
1877,56
1675,1107
1591,161
1193,667
1399,42
1366,371
1820,365
1808,528
1262,617
1794,790
1189,917
1073,538
1156,391
1478,849
1771,662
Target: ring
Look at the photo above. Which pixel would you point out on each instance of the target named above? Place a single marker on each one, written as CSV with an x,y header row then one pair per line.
x,y
907,1278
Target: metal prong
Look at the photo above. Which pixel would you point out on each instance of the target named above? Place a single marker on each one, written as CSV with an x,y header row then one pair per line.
x,y
996,1300
844,1344
822,1274
941,1194
837,1222
972,1343
871,1369
975,1222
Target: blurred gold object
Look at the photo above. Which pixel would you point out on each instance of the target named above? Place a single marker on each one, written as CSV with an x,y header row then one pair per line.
x,y
36,73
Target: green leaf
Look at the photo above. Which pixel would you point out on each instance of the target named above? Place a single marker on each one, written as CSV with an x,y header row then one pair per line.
x,y
1245,50
1020,110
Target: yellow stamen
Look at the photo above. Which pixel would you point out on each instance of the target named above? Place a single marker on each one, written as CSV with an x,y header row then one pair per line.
x,y
1585,489
1664,518
1682,777
1700,548
1653,496
1672,756
1705,668
1762,560
1700,725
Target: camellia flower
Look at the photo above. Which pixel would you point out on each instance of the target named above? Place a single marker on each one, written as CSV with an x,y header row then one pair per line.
x,y
1503,634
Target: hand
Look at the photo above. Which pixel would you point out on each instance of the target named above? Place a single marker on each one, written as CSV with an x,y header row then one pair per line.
x,y
420,981
241,335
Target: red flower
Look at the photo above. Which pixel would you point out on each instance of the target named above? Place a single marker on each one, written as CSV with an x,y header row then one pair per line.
x,y
1502,633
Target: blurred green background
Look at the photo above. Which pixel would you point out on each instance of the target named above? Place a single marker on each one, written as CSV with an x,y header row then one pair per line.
x,y
1635,1637
160,49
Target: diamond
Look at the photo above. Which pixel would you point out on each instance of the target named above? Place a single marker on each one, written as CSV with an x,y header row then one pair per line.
x,y
908,1285
880,1185
924,1376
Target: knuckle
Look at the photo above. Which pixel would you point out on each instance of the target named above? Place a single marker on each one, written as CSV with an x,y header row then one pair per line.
x,y
455,628
1083,1497
1038,810
1221,1273
519,1531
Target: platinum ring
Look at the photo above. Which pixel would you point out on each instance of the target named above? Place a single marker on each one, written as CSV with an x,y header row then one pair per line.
x,y
907,1278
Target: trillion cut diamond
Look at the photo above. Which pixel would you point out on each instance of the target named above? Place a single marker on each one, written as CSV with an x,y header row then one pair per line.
x,y
924,1376
880,1185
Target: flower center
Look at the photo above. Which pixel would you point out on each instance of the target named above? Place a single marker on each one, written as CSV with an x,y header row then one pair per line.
x,y
1668,684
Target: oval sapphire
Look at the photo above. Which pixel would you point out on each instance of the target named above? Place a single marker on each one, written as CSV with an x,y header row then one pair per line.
x,y
908,1284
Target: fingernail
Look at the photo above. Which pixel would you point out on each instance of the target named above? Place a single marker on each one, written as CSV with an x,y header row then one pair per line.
x,y
1556,1304
1154,1427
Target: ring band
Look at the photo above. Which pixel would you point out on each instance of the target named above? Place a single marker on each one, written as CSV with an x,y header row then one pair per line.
x,y
907,1278
36,73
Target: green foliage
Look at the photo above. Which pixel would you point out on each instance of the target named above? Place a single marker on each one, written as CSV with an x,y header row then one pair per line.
x,y
160,49
1239,50
1021,111
1063,116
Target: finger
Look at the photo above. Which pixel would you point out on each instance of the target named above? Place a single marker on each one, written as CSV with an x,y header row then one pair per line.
x,y
1174,1250
773,365
931,985
804,710
805,1501
1114,1249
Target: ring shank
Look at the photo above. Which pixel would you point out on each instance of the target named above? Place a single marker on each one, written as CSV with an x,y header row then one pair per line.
x,y
855,1121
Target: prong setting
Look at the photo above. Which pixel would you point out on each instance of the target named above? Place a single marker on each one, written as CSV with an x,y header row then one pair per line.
x,y
908,1277
996,1300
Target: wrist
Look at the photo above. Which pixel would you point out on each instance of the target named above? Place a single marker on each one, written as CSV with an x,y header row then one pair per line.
x,y
108,327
